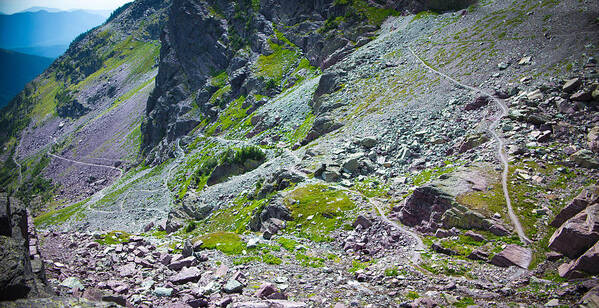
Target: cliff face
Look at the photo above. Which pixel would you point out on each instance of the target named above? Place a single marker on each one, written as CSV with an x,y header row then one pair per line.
x,y
215,52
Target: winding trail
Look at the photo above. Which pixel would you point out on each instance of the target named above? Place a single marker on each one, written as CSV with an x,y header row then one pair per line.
x,y
14,158
501,153
86,164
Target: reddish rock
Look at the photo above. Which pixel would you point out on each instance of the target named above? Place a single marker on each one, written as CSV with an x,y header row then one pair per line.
x,y
478,254
440,249
127,270
578,234
362,221
588,262
475,236
197,303
118,299
553,256
513,255
224,302
165,259
187,274
221,271
93,294
588,196
479,102
265,290
572,85
565,270
179,264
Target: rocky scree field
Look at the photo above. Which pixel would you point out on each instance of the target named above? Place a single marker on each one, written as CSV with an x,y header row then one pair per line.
x,y
315,154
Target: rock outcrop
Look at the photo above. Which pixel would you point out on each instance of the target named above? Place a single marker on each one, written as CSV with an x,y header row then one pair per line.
x,y
434,205
21,276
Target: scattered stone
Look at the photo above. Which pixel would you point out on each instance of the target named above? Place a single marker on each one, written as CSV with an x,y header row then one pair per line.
x,y
179,264
187,274
127,270
163,292
233,286
72,283
479,102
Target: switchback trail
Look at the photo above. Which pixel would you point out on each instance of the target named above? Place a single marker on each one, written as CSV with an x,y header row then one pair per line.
x,y
501,153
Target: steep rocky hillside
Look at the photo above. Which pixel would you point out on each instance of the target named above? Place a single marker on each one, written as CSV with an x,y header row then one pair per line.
x,y
340,153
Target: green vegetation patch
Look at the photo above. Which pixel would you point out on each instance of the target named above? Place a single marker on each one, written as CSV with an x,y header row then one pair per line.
x,y
54,217
372,187
309,261
227,242
288,244
317,210
114,237
357,265
230,117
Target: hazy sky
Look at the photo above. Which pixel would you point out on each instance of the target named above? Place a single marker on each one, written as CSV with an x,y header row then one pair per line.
x,y
13,6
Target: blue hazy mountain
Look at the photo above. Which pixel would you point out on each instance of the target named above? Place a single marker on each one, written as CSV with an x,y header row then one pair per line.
x,y
45,33
17,70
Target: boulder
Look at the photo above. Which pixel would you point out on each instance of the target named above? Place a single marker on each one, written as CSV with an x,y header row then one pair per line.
x,y
261,220
513,255
581,96
478,254
578,234
585,159
362,221
591,298
479,102
266,290
588,195
472,141
588,262
475,236
176,265
434,205
368,142
352,163
324,124
571,85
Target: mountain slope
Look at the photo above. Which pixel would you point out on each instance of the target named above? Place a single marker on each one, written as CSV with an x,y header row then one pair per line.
x,y
18,70
346,153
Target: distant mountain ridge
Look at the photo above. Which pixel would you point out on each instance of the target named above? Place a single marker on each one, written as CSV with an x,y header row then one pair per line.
x,y
42,28
17,70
